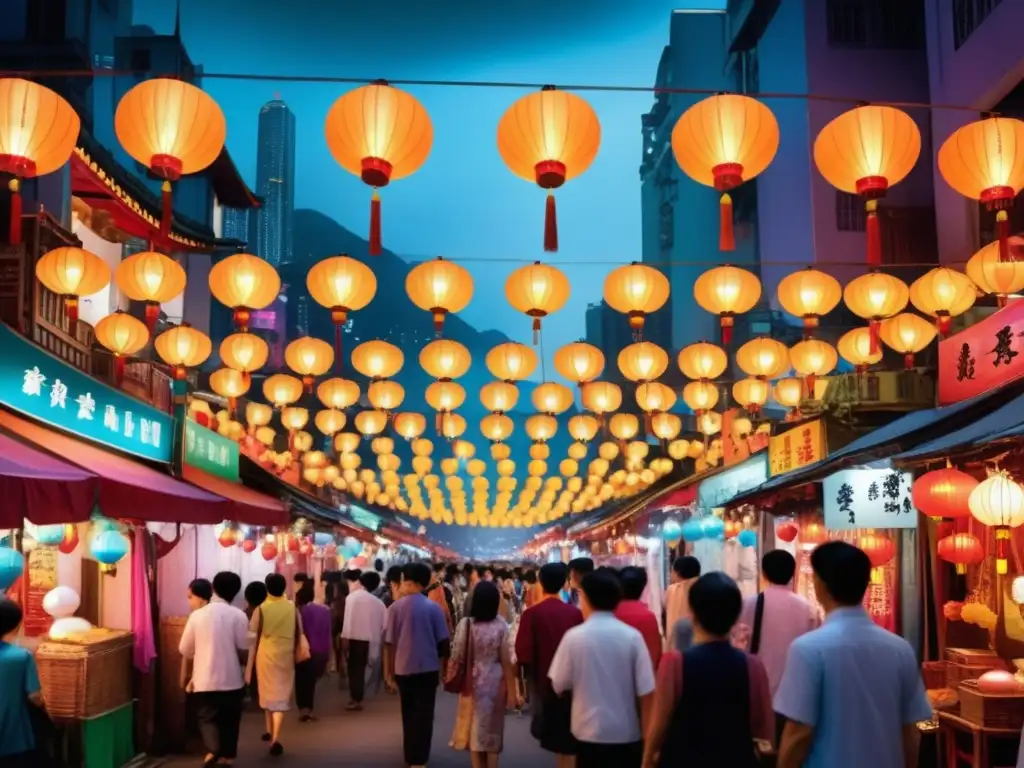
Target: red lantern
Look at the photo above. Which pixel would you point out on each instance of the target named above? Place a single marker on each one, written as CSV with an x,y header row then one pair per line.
x,y
227,538
813,534
70,541
961,549
943,493
880,550
787,531
293,543
269,551
306,547
248,546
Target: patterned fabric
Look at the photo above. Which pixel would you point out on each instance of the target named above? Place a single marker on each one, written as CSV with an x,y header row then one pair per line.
x,y
480,718
275,654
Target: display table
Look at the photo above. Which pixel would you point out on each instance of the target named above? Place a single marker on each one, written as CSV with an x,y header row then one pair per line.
x,y
103,741
968,744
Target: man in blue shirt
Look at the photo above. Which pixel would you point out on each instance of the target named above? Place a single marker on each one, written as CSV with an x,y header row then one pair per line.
x,y
19,689
851,691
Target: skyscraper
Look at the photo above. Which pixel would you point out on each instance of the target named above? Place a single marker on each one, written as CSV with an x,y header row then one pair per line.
x,y
275,183
236,224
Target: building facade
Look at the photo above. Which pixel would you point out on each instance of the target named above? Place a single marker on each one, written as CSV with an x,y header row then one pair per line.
x,y
275,183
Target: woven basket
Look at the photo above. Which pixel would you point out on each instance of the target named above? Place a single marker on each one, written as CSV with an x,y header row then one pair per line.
x,y
934,674
86,676
991,710
973,656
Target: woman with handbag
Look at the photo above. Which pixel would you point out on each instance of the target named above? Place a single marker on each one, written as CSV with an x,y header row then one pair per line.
x,y
482,673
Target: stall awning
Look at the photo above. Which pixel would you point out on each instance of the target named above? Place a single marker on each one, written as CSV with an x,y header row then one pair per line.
x,y
1005,421
39,487
247,506
127,489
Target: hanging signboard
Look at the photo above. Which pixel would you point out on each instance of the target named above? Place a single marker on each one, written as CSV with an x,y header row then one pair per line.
x,y
718,490
40,578
868,498
210,452
364,517
984,356
734,448
798,447
49,390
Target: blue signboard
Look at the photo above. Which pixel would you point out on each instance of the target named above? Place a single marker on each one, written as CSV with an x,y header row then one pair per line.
x,y
364,517
718,490
49,390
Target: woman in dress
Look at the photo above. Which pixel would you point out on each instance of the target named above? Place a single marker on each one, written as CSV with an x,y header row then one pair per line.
x,y
480,718
316,625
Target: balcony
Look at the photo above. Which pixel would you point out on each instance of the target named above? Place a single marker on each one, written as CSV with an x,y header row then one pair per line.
x,y
968,16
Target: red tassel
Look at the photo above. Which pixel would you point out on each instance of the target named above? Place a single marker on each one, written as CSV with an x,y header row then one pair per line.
x,y
536,331
550,225
119,362
71,309
15,228
874,328
439,423
375,241
810,386
1003,233
152,315
908,361
726,331
726,236
874,234
167,214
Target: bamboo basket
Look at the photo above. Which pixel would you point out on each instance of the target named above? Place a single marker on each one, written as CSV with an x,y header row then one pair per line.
x,y
991,710
88,675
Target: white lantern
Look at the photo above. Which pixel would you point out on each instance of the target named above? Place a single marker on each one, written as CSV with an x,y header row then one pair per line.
x,y
998,502
1017,590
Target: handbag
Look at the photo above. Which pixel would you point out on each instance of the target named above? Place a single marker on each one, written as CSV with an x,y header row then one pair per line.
x,y
460,678
302,652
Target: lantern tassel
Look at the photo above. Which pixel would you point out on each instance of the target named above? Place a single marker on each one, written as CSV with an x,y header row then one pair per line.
x,y
375,240
1003,233
119,362
15,226
874,328
810,386
71,309
550,225
536,331
908,361
726,236
726,331
874,234
152,315
167,212
337,347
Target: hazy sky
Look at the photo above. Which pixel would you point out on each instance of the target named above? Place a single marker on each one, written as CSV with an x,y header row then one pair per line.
x,y
464,203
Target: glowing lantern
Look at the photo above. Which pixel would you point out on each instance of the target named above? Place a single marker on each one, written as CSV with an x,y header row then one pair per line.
x,y
124,336
700,396
943,293
961,549
309,358
282,389
809,294
385,395
293,419
636,290
812,358
228,537
763,357
666,426
380,134
329,421
445,396
342,285
856,348
624,426
751,393
109,548
496,427
865,151
998,502
499,396
346,442
547,138
338,393
721,142
183,347
653,396
880,550
643,361
377,359
410,425
709,423
174,129
999,278
727,291
439,287
452,426
552,398
71,273
257,415
371,423
579,362
601,397
583,427
944,493
874,297
788,392
244,283
511,361
787,531
269,551
907,334
445,359
984,160
541,427
229,383
702,361
152,278
537,290
245,352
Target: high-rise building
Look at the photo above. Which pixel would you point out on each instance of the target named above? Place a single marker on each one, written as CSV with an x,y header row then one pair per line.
x,y
275,183
236,224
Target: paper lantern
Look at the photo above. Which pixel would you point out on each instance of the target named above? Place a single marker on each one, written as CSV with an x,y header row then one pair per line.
x,y
624,426
721,142
583,427
499,396
692,530
984,161
636,290
46,535
496,427
338,393
12,565
812,358
410,425
666,426
61,602
702,361
998,502
907,334
309,358
248,546
809,294
152,278
999,278
38,133
342,285
385,395
788,392
709,423
71,273
371,423
69,543
961,549
944,294
109,547
230,384
445,396
855,347
763,357
751,393
511,361
123,336
244,283
579,362
258,415
439,287
228,538
174,129
652,396
293,419
727,291
269,551
377,359
700,396
786,531
541,427
944,493
452,425
282,389
875,297
642,361
329,421
601,397
537,290
444,359
380,134
880,550
864,152
549,137
245,352
552,398
183,347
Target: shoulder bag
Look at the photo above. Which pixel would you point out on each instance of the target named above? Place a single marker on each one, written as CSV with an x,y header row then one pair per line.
x,y
460,677
302,652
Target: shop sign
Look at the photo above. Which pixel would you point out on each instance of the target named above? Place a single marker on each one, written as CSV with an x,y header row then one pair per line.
x,y
718,490
736,449
40,578
212,453
984,356
364,518
868,498
49,390
798,447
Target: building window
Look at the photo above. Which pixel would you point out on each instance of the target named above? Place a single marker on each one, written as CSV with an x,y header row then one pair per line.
x,y
876,24
967,17
850,214
140,61
666,226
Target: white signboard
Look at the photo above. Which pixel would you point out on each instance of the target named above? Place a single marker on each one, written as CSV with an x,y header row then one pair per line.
x,y
868,498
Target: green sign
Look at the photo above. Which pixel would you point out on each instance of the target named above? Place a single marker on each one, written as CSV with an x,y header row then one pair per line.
x,y
364,517
49,390
210,452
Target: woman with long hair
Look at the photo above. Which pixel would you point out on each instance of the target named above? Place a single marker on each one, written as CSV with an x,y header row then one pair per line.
x,y
316,625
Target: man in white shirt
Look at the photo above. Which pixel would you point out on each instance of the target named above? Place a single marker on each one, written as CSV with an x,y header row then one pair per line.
x,y
363,628
213,638
607,667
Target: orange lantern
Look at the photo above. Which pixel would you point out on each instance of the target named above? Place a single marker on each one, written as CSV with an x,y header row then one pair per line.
x,y
445,359
38,133
183,347
377,359
876,296
763,357
537,290
907,334
601,397
943,493
245,352
342,285
865,151
789,393
636,290
244,283
552,398
579,362
624,426
944,294
380,134
812,358
984,160
809,294
445,396
961,549
511,361
309,358
653,396
174,129
282,389
229,383
547,138
700,396
122,335
439,287
452,426
152,278
721,142
410,425
72,273
385,395
643,361
329,421
702,361
751,393
727,291
666,426
496,427
856,348
583,427
499,396
541,427
999,278
371,423
880,550
338,393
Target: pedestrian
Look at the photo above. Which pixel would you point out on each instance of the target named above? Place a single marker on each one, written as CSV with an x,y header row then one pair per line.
x,y
851,691
416,645
452,581
364,626
337,605
213,638
578,568
21,696
541,629
482,645
697,685
255,595
635,613
532,594
316,625
685,571
606,665
199,593
437,592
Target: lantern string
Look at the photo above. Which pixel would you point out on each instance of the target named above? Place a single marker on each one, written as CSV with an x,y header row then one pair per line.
x,y
693,263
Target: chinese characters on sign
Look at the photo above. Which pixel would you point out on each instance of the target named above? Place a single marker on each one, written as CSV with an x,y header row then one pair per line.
x,y
798,447
212,453
868,498
718,490
41,577
984,356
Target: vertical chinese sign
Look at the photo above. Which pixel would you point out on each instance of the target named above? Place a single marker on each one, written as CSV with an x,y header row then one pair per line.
x,y
984,356
798,447
40,578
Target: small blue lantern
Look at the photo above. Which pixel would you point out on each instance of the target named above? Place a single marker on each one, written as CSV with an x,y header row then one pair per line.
x,y
693,530
713,527
747,538
322,539
12,565
352,547
109,547
671,532
49,535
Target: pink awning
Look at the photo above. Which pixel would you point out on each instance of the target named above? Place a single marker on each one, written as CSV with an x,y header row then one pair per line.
x,y
247,506
42,488
127,489
678,497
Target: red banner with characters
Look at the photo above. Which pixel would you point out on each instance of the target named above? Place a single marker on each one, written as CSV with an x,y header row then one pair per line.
x,y
984,356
